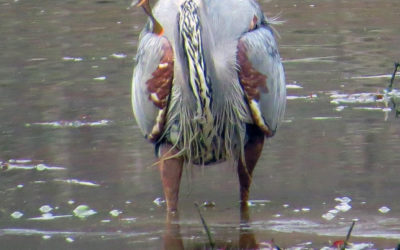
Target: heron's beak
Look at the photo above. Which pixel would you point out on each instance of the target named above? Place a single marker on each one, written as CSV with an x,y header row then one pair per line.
x,y
157,28
138,3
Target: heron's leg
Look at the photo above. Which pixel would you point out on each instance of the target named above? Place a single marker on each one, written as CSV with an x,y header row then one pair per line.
x,y
252,151
170,167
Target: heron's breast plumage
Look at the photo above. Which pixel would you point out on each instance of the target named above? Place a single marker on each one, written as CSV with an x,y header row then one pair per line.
x,y
205,119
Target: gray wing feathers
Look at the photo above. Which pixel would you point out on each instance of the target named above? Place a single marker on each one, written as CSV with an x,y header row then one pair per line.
x,y
263,53
147,60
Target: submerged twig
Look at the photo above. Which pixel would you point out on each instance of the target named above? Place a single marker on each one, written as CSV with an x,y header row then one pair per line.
x,y
396,66
346,241
210,240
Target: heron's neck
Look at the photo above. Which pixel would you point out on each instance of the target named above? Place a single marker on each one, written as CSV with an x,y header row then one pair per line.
x,y
191,39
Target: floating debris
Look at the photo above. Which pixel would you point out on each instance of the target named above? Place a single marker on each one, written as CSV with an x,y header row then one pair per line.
x,y
36,59
6,167
19,161
353,98
384,209
69,239
293,86
43,167
253,203
369,108
388,76
70,124
285,205
340,108
115,212
311,59
339,244
50,216
17,215
333,211
307,97
83,211
46,237
100,78
71,202
20,166
118,55
270,244
326,118
45,209
260,201
105,221
343,207
74,59
208,204
78,182
20,186
287,121
305,209
159,201
344,199
328,216
131,219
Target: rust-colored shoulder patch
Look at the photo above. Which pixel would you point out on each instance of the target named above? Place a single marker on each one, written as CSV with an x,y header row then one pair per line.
x,y
159,87
253,83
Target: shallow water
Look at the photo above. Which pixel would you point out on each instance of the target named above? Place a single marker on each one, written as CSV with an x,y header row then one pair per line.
x,y
77,174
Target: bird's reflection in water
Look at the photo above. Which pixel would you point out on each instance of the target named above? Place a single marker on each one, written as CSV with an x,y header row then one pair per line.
x,y
172,238
247,239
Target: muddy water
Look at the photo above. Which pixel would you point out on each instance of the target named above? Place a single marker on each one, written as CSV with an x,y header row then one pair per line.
x,y
77,174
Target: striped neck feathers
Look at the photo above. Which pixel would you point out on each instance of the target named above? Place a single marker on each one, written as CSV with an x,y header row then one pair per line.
x,y
191,40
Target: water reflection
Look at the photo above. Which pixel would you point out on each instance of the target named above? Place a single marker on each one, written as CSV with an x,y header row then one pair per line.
x,y
172,237
247,239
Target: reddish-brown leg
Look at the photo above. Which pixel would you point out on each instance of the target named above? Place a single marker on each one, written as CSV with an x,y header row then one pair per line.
x,y
252,152
171,171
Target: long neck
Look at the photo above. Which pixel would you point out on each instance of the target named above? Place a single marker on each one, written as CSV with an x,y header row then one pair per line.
x,y
191,40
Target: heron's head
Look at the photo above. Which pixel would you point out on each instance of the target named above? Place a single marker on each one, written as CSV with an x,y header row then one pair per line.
x,y
145,4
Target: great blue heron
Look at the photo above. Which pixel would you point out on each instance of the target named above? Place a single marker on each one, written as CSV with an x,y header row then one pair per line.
x,y
208,86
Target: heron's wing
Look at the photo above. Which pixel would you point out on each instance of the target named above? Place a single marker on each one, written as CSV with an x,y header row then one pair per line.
x,y
151,84
262,77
